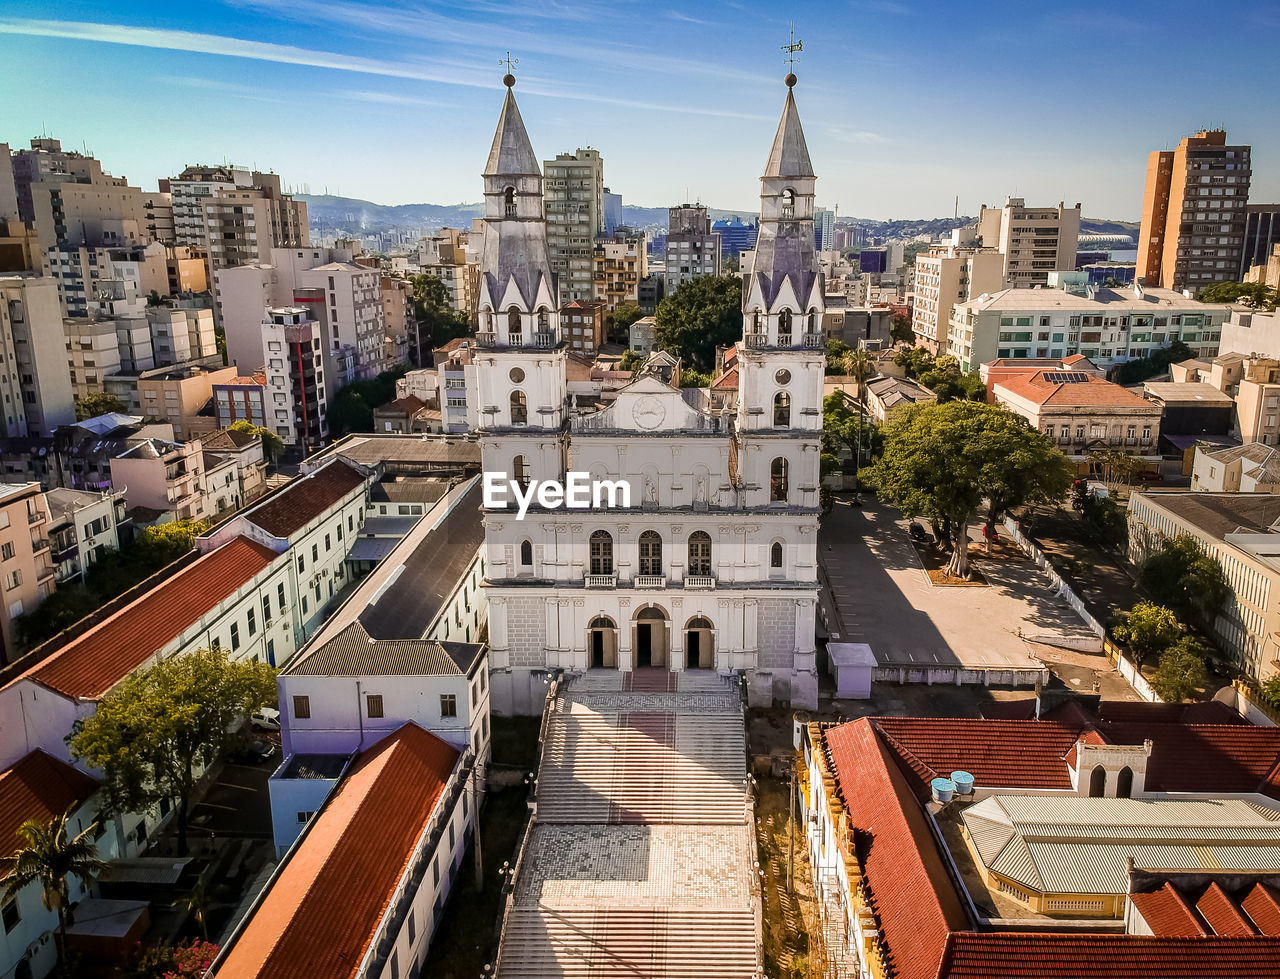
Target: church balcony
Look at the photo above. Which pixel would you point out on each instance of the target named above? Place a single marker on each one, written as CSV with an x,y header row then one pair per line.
x,y
486,339
650,581
600,581
814,341
756,339
700,582
544,339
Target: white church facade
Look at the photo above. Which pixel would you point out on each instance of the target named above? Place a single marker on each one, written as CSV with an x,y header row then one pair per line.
x,y
713,566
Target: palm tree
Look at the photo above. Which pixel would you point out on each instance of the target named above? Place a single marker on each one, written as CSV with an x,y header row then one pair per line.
x,y
199,902
859,365
48,858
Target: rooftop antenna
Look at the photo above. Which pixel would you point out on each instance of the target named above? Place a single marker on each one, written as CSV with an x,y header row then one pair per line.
x,y
509,79
792,49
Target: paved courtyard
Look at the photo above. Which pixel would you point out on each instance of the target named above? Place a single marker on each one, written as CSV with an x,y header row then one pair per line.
x,y
882,596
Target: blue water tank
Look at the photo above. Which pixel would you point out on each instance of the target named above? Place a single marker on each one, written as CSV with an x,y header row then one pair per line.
x,y
943,789
964,782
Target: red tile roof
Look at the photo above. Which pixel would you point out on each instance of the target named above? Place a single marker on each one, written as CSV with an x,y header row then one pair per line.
x,y
913,897
1041,956
38,786
1167,913
1221,914
1023,754
728,381
1093,392
305,499
325,905
92,664
1262,905
408,404
1206,757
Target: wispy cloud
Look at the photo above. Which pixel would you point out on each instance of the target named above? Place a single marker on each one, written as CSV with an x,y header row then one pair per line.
x,y
863,136
216,44
686,19
883,7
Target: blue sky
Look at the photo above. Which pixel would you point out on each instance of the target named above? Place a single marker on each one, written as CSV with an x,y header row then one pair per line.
x,y
905,104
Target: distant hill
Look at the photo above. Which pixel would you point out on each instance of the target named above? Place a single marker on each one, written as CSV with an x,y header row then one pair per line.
x,y
349,215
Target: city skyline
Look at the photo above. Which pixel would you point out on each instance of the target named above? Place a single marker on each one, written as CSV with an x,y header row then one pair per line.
x,y
393,103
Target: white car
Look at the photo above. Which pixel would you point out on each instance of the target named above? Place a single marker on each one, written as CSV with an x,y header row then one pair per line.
x,y
265,719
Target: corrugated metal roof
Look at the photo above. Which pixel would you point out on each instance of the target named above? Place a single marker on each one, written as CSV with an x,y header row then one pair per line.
x,y
1016,862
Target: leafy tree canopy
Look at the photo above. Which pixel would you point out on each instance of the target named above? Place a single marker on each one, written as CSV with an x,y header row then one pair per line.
x,y
1182,577
690,378
438,320
153,735
900,330
702,314
1157,362
837,350
1181,672
272,444
624,314
914,360
1256,294
631,360
98,403
1147,629
944,460
352,407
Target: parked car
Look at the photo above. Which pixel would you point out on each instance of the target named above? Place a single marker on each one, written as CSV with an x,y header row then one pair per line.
x,y
253,752
265,719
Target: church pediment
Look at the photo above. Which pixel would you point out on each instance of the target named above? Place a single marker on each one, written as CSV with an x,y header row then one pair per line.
x,y
646,406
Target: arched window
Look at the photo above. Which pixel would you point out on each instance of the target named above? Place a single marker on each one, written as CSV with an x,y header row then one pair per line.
x,y
788,203
782,410
1097,782
755,321
544,319
509,202
700,553
650,553
514,328
520,471
1124,783
784,328
601,549
775,555
813,319
526,553
519,409
778,481
486,319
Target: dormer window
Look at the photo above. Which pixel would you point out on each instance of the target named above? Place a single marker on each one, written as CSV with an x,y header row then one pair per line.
x,y
788,203
509,202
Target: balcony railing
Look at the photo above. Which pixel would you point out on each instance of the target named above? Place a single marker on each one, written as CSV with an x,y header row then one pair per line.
x,y
651,581
755,339
35,517
700,582
814,341
600,581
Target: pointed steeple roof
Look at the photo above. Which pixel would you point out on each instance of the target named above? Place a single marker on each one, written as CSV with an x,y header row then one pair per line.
x,y
789,156
512,153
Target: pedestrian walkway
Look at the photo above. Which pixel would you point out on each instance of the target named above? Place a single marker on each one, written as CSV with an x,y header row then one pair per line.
x,y
640,860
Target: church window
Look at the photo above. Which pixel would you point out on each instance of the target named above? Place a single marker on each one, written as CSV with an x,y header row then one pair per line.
x,y
544,319
788,203
700,553
509,202
516,375
778,481
601,552
520,471
1124,783
755,321
784,327
782,410
813,320
526,553
650,553
519,409
775,555
1097,782
513,325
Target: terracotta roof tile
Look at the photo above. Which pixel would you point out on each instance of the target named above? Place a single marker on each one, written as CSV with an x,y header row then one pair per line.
x,y
728,381
1262,905
1041,956
92,664
324,906
1094,391
1024,754
914,900
1205,757
305,499
38,786
1221,913
408,404
1167,913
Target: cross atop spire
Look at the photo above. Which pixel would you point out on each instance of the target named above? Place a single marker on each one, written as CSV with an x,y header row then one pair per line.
x,y
509,79
792,49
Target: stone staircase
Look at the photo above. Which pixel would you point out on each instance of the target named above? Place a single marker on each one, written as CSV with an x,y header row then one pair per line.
x,y
640,860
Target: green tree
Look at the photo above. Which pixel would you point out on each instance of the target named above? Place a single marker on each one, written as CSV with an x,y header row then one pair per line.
x,y
272,444
1147,630
1181,672
702,314
98,403
352,407
154,734
944,460
860,367
1256,294
837,350
154,299
914,360
624,315
689,378
438,321
48,856
631,360
842,428
1157,362
1184,578
1115,468
900,330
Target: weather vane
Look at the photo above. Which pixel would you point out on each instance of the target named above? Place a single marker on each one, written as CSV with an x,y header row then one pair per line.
x,y
792,50
509,79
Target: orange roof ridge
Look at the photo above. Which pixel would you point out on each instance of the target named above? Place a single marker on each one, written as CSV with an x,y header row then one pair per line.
x,y
1221,913
1167,912
1262,905
93,663
38,786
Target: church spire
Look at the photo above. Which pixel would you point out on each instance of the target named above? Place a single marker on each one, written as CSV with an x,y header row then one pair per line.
x,y
512,154
789,156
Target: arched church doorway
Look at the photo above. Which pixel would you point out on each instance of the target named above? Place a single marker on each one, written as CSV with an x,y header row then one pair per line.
x,y
650,637
699,644
602,643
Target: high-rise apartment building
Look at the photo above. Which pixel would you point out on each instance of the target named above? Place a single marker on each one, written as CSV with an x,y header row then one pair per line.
x,y
824,229
33,363
948,274
292,351
619,263
575,216
1261,235
157,209
8,189
1193,213
1033,240
736,236
612,212
693,249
